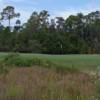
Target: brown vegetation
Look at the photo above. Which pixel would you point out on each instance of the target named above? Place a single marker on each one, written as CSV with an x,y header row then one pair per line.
x,y
36,83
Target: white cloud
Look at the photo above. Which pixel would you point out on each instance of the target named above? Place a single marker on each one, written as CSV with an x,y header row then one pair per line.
x,y
25,12
92,6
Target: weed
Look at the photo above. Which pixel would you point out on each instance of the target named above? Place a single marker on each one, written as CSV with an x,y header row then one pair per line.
x,y
15,93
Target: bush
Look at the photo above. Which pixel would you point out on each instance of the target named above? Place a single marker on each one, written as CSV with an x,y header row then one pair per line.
x,y
12,59
16,60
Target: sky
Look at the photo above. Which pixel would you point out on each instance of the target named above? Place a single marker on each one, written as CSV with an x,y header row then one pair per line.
x,y
62,8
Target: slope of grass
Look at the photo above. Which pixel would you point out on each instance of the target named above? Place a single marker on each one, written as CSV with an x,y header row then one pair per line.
x,y
19,60
82,62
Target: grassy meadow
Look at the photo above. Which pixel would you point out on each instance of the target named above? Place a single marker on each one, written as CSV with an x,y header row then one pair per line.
x,y
49,77
82,62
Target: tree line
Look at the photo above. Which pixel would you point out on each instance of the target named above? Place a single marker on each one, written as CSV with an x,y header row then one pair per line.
x,y
77,34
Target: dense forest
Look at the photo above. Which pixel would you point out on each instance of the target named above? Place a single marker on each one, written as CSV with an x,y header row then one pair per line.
x,y
77,34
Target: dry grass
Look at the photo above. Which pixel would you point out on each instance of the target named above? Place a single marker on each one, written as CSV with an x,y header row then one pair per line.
x,y
38,83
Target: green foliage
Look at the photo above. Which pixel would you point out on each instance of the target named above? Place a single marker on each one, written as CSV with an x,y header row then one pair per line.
x,y
77,34
16,60
12,59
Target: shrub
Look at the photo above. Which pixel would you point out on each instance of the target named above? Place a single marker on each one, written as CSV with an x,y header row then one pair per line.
x,y
12,59
16,60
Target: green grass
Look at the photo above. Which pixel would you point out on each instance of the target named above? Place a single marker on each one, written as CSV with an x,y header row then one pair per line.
x,y
82,62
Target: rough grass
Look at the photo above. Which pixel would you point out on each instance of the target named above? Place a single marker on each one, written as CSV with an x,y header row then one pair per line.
x,y
44,77
38,83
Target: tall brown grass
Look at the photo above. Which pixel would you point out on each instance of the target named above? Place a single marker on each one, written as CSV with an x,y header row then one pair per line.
x,y
37,83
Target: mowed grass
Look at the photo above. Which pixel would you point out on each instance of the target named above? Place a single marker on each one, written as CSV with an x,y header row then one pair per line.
x,y
81,62
77,61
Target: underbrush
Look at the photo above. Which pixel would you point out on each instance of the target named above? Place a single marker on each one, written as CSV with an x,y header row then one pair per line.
x,y
45,84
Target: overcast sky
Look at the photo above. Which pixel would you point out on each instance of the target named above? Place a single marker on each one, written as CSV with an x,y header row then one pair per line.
x,y
62,8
